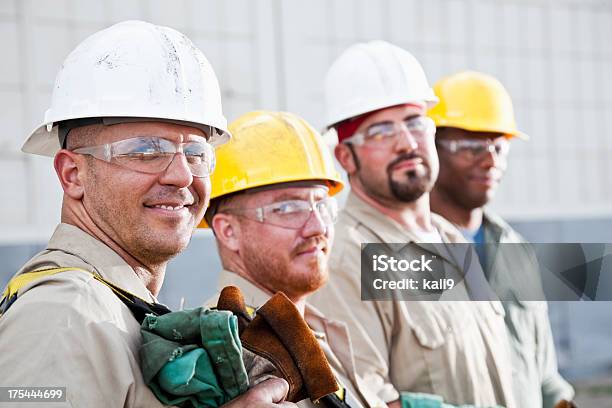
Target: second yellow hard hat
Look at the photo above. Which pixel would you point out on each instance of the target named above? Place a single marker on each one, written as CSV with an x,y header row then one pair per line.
x,y
271,148
476,102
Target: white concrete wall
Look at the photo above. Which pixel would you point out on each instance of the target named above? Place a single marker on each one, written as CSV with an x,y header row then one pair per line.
x,y
554,56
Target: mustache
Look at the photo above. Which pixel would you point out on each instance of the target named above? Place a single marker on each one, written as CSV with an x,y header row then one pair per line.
x,y
319,241
406,156
183,195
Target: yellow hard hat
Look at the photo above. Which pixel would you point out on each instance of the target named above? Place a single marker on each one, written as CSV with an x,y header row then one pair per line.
x,y
476,102
271,148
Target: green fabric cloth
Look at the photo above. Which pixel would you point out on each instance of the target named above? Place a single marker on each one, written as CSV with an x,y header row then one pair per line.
x,y
422,400
193,358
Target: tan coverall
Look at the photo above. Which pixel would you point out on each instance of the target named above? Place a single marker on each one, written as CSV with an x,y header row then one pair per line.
x,y
333,338
537,382
70,330
458,350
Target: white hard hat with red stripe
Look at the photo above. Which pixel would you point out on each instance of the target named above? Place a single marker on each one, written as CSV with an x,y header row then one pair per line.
x,y
371,76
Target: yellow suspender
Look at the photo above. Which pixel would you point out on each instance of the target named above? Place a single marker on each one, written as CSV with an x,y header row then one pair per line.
x,y
12,289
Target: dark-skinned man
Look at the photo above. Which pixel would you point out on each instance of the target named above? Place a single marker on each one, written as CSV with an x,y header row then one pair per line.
x,y
475,125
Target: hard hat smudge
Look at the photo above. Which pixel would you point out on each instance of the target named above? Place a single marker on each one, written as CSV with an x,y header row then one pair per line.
x,y
174,63
108,61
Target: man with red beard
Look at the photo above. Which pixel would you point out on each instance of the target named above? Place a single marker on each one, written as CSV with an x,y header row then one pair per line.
x,y
475,121
377,97
272,213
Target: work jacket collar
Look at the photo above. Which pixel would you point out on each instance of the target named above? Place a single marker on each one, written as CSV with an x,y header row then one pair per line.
x,y
254,296
390,231
498,230
102,259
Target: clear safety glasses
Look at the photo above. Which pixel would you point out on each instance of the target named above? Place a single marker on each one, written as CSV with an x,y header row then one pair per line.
x,y
150,154
292,214
385,134
475,149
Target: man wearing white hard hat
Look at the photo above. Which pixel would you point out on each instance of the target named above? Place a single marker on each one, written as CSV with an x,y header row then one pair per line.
x,y
377,97
134,117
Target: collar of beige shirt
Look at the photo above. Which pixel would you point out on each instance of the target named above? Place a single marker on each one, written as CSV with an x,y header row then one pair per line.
x,y
102,259
391,231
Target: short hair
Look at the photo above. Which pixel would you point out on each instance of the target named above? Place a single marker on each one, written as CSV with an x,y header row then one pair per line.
x,y
83,136
218,204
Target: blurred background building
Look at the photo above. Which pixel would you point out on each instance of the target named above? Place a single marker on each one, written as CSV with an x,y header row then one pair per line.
x,y
554,56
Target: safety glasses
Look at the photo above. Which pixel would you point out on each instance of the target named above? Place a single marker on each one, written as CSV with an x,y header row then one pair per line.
x,y
150,154
292,214
386,134
475,149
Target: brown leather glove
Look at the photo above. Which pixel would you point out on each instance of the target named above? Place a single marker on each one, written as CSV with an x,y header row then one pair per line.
x,y
279,334
565,404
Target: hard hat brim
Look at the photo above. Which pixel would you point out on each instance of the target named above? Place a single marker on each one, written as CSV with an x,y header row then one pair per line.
x,y
45,142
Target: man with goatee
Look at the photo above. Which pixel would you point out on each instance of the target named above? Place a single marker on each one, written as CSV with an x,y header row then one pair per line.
x,y
377,98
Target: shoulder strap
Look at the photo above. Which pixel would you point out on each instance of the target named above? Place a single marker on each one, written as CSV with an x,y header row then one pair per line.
x,y
22,280
138,306
335,400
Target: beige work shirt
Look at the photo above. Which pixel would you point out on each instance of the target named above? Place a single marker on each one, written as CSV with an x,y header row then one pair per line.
x,y
69,330
333,337
537,381
456,349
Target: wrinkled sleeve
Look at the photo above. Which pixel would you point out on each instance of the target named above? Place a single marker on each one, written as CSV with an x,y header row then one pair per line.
x,y
554,386
53,335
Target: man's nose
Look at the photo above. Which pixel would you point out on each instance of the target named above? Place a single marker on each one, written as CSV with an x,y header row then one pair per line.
x,y
491,157
315,225
405,140
178,172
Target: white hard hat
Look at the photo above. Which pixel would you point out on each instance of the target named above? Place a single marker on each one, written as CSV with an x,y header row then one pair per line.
x,y
133,70
371,76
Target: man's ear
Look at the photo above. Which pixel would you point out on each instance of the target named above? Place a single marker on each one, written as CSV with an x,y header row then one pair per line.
x,y
346,158
70,170
227,230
